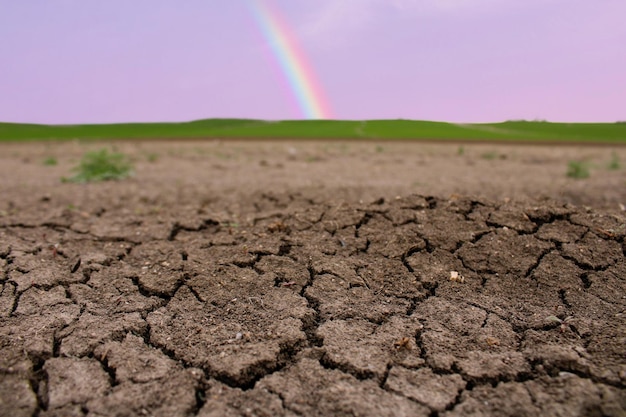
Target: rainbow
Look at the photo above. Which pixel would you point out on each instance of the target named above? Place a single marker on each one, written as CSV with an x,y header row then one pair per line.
x,y
292,61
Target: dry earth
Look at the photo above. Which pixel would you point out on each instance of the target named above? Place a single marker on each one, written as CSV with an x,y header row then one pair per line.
x,y
287,279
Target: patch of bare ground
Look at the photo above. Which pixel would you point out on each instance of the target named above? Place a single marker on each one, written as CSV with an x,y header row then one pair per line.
x,y
220,296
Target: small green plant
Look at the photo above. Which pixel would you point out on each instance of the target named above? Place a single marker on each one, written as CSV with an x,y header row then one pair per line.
x,y
152,157
312,158
102,165
380,149
614,164
578,169
460,151
490,155
50,161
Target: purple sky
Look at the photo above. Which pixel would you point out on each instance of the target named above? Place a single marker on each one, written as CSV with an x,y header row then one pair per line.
x,y
77,61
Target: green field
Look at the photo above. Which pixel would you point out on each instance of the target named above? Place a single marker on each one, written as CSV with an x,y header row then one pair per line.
x,y
324,129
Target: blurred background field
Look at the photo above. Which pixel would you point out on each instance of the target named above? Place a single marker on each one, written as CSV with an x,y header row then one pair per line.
x,y
517,131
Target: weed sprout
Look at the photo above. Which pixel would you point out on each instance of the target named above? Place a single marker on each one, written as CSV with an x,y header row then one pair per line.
x,y
101,165
577,169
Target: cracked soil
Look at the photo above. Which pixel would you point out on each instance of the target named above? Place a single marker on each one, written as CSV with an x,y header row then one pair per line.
x,y
313,279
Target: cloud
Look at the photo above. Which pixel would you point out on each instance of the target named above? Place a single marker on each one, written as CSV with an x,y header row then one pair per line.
x,y
441,6
334,22
338,22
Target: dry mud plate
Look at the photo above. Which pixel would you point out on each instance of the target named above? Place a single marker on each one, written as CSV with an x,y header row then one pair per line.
x,y
178,299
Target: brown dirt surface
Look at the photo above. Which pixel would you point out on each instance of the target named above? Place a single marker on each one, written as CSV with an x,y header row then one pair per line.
x,y
306,279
